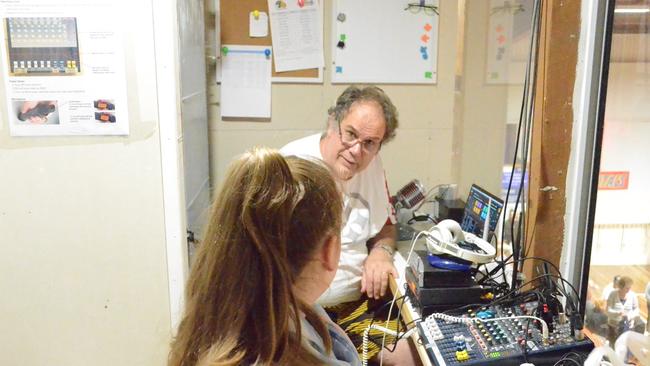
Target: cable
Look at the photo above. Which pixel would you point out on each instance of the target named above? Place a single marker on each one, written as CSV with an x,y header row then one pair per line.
x,y
392,303
573,357
559,276
427,196
364,357
527,104
468,321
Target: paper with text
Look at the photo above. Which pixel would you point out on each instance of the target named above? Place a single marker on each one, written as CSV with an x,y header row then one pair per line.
x,y
246,81
63,68
296,34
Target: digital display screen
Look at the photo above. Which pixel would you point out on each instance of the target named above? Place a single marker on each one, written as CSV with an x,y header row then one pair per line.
x,y
481,207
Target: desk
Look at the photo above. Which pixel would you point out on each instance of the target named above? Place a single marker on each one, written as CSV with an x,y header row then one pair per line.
x,y
409,313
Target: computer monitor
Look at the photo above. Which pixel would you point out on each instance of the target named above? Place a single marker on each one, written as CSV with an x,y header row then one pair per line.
x,y
481,210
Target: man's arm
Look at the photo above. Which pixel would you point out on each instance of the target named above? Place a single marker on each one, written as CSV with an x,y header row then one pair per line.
x,y
379,264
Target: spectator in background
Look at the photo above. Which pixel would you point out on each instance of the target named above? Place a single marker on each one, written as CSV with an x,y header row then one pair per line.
x,y
623,310
609,288
595,314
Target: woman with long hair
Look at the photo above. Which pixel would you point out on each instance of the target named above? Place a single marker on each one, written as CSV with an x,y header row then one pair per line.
x,y
270,250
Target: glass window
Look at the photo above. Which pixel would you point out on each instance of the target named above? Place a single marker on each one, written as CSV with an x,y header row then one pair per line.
x,y
620,252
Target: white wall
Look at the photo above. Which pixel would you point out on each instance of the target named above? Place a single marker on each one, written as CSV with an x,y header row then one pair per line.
x,y
622,221
486,109
625,144
83,272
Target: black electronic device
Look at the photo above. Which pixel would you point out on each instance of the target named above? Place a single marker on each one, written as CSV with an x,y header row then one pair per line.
x,y
473,338
445,298
425,275
450,209
482,211
433,289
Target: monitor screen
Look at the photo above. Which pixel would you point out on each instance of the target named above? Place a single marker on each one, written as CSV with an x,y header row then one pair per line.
x,y
481,207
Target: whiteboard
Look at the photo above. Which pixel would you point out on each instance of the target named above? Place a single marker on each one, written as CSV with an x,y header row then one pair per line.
x,y
383,42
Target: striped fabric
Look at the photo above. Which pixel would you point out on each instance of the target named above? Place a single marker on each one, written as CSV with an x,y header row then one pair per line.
x,y
355,316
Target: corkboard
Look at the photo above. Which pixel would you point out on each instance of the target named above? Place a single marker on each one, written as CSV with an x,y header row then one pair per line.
x,y
234,30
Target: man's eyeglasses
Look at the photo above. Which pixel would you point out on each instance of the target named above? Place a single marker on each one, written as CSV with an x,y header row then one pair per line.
x,y
350,138
417,7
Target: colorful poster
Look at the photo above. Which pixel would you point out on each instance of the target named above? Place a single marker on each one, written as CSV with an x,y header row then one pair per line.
x,y
63,68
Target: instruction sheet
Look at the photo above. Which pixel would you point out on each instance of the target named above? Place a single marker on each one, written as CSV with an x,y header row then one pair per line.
x,y
63,68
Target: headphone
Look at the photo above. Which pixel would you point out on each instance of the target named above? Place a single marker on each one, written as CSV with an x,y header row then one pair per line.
x,y
444,238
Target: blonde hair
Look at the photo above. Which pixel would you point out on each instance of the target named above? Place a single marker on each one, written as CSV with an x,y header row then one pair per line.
x,y
623,282
270,217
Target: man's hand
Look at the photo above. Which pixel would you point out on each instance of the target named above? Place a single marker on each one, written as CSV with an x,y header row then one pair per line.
x,y
379,264
376,269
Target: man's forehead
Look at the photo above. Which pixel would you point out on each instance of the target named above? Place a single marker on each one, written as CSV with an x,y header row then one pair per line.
x,y
365,116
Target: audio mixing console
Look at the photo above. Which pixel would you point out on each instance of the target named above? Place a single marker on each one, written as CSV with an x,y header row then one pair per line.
x,y
474,338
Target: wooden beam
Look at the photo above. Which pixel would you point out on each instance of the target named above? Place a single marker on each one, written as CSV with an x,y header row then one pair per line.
x,y
552,129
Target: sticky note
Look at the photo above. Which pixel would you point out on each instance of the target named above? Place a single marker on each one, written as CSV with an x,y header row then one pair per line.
x,y
428,27
428,75
425,38
339,69
258,24
342,37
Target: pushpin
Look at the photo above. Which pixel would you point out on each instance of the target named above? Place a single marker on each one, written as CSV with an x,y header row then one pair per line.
x,y
256,14
301,3
224,50
267,53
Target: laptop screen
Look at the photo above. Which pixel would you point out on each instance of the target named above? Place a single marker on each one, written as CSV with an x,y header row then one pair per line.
x,y
482,207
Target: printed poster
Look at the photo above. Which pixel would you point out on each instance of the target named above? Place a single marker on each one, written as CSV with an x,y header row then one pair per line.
x,y
63,68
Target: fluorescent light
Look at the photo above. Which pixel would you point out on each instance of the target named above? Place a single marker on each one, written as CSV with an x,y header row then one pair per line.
x,y
632,10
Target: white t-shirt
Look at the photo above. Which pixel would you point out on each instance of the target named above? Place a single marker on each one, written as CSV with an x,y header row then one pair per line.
x,y
617,308
366,210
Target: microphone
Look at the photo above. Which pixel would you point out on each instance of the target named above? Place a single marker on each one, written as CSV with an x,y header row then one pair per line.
x,y
411,195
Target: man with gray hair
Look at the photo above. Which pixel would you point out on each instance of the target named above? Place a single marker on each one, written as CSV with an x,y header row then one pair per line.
x,y
358,125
